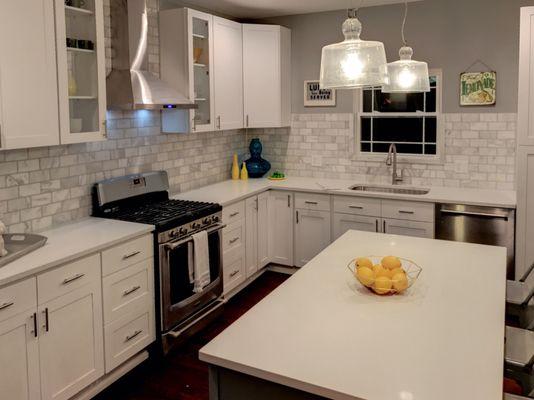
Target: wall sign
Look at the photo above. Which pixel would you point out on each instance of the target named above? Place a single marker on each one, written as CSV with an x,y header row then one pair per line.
x,y
314,96
478,88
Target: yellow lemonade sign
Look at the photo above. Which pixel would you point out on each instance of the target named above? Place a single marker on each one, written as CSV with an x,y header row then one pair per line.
x,y
478,88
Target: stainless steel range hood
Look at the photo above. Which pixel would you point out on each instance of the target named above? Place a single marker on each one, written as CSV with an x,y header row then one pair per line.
x,y
130,86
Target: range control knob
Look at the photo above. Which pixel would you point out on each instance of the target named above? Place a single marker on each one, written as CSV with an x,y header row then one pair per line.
x,y
215,218
195,226
182,231
206,221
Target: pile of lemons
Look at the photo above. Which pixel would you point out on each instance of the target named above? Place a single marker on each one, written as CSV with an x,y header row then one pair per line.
x,y
384,278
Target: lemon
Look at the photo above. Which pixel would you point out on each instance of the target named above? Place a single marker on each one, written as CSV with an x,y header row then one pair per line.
x,y
366,276
396,271
379,271
382,285
391,262
400,282
364,262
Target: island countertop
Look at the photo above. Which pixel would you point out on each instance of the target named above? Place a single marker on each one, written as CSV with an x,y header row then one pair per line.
x,y
320,332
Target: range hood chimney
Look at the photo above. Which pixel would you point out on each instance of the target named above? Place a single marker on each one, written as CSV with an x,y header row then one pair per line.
x,y
130,86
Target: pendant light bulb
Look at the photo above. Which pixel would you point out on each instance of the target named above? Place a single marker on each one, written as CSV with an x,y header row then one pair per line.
x,y
354,62
407,75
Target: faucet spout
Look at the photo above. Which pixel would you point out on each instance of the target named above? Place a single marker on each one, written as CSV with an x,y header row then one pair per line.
x,y
391,160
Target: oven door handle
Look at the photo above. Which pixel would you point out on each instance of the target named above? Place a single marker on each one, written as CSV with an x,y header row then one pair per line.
x,y
174,245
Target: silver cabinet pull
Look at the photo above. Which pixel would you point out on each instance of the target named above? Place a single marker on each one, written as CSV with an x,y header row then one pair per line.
x,y
356,207
46,324
127,256
385,227
34,318
297,217
376,225
406,212
474,214
130,291
133,335
234,273
234,214
311,202
234,240
66,281
6,305
289,200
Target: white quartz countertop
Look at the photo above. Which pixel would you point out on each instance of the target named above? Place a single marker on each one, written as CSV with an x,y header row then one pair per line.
x,y
322,333
229,191
70,242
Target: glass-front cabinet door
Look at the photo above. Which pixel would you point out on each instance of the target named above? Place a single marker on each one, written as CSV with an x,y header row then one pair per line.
x,y
200,57
81,70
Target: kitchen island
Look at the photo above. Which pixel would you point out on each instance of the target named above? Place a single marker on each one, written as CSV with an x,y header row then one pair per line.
x,y
321,335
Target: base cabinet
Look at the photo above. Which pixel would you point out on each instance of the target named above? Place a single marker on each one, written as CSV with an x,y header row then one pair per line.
x,y
312,234
251,237
280,218
408,228
19,357
345,222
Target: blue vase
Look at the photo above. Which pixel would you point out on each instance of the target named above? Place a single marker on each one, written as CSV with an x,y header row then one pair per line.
x,y
256,166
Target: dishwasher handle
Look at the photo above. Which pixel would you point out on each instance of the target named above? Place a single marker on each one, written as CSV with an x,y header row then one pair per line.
x,y
475,214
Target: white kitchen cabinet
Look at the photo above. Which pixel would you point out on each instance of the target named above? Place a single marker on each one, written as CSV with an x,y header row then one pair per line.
x,y
408,228
344,222
28,75
19,357
525,211
312,234
280,216
263,230
266,76
187,64
71,343
525,122
251,241
228,73
81,72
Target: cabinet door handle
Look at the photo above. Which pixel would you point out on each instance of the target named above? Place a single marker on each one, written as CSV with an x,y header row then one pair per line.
x,y
234,240
256,204
132,290
314,203
376,225
6,305
297,217
406,212
34,317
219,122
235,214
234,273
356,207
127,256
66,281
46,325
289,200
133,335
384,225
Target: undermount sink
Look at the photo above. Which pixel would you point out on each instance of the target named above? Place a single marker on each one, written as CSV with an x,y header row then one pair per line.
x,y
389,189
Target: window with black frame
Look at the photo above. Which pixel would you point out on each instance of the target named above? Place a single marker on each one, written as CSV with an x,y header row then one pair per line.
x,y
410,120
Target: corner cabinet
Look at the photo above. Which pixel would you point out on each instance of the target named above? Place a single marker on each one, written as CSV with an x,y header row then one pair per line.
x,y
81,71
266,76
28,75
280,217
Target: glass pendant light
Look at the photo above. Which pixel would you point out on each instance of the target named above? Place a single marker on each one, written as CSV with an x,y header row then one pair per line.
x,y
407,75
353,63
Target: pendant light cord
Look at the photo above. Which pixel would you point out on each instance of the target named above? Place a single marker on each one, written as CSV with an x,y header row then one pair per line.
x,y
353,12
404,22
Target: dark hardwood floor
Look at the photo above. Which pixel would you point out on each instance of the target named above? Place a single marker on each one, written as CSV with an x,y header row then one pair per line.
x,y
181,375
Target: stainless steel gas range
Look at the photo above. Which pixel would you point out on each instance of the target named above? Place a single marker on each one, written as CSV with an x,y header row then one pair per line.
x,y
144,198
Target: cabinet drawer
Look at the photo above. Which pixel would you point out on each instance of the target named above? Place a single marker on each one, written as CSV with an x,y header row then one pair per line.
x,y
357,205
17,298
408,210
408,228
234,269
67,278
126,254
310,201
233,236
234,212
128,290
129,335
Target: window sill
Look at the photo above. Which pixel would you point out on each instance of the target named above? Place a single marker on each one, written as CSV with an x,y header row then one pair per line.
x,y
401,159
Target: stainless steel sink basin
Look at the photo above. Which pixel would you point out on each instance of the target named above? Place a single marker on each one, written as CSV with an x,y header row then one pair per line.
x,y
389,189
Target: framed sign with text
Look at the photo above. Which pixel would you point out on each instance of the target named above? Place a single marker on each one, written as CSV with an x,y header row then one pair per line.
x,y
314,96
478,88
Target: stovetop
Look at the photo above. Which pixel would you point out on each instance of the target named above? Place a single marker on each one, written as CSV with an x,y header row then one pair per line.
x,y
164,214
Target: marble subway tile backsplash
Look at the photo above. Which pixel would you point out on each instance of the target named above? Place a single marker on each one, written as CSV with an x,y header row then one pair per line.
x,y
49,186
479,152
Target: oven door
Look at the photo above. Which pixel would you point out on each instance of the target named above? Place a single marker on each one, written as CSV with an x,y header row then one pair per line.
x,y
178,301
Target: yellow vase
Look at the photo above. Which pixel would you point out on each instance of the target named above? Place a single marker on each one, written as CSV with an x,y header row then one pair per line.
x,y
235,169
244,172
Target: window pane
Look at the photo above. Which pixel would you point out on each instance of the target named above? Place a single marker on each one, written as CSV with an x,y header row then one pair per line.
x,y
402,148
430,149
366,129
398,129
367,100
430,129
398,102
433,81
431,101
366,147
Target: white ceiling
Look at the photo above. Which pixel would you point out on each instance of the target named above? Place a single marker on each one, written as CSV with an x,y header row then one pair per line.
x,y
272,8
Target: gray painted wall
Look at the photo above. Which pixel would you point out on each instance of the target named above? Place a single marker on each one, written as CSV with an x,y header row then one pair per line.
x,y
448,34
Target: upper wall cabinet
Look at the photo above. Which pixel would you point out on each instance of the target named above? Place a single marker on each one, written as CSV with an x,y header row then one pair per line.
x,y
525,127
266,76
81,70
28,76
186,62
228,73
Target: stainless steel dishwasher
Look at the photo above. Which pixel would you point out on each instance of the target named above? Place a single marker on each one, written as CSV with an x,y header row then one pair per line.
x,y
475,224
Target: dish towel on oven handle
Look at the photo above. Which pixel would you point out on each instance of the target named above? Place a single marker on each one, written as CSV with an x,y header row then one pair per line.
x,y
201,261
